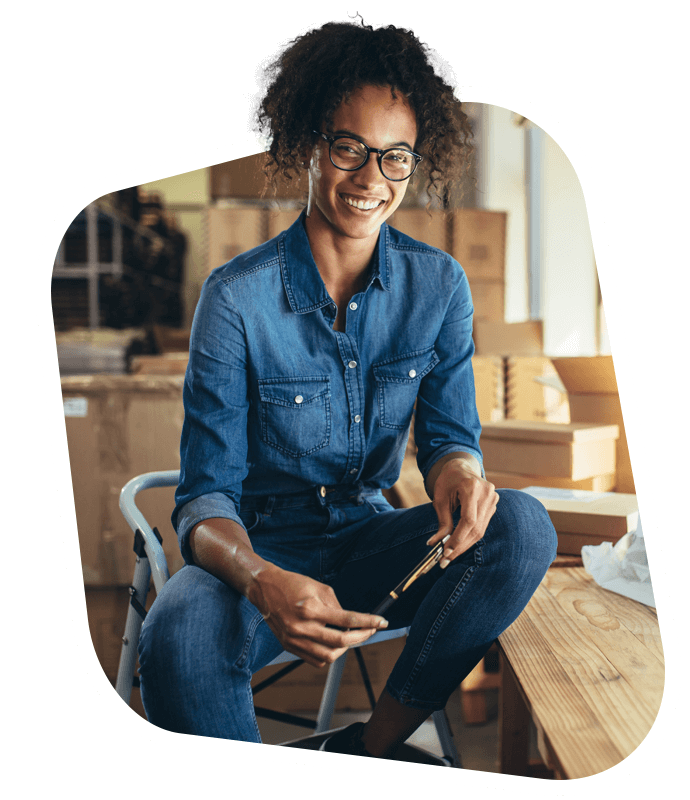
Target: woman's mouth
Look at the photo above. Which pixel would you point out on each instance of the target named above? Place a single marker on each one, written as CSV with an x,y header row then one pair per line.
x,y
362,205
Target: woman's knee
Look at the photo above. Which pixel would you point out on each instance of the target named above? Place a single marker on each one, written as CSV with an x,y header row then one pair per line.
x,y
523,525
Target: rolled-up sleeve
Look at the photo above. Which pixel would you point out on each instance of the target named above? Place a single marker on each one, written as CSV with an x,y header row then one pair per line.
x,y
446,418
213,447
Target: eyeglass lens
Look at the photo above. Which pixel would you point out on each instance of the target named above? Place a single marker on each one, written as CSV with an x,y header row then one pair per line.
x,y
350,154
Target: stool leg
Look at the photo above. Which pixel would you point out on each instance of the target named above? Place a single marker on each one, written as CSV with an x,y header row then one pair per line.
x,y
445,737
330,695
128,654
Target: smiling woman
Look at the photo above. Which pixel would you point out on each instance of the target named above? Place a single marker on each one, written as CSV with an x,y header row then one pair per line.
x,y
307,358
312,77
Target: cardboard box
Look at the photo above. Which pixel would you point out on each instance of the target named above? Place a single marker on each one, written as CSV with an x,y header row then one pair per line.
x,y
281,220
530,391
498,338
479,243
488,298
510,480
573,450
429,226
244,178
231,231
593,397
164,364
489,387
120,426
587,518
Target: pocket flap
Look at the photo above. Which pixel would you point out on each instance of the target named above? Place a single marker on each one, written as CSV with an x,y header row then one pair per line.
x,y
407,368
293,392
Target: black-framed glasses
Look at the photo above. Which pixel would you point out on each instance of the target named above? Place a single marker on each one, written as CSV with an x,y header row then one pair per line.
x,y
346,153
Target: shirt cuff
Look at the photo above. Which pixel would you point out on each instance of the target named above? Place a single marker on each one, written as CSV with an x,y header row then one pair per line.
x,y
200,508
425,468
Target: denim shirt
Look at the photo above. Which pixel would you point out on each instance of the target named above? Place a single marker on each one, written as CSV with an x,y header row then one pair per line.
x,y
276,401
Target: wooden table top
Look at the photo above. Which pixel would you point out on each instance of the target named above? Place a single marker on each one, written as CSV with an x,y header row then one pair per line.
x,y
590,666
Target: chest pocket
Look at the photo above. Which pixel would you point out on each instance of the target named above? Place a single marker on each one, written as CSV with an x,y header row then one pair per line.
x,y
295,414
397,384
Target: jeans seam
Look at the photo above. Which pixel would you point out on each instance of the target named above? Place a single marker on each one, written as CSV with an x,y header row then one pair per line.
x,y
438,622
249,640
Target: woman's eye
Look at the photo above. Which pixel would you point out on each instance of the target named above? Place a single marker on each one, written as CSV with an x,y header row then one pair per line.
x,y
398,157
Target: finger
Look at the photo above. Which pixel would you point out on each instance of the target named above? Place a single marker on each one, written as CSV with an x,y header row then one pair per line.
x,y
348,620
444,514
467,534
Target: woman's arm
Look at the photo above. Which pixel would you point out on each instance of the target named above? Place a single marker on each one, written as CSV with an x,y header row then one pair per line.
x,y
296,608
456,481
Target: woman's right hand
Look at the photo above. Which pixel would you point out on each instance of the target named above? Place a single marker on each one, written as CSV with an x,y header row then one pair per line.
x,y
307,618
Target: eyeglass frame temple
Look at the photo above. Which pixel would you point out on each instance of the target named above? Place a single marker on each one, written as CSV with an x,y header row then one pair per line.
x,y
370,150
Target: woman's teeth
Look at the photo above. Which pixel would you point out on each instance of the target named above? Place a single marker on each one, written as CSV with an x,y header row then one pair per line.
x,y
364,205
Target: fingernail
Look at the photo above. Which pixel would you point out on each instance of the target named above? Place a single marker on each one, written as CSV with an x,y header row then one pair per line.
x,y
383,623
429,542
444,563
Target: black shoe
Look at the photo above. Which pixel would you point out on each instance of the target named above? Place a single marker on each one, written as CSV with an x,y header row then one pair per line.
x,y
347,740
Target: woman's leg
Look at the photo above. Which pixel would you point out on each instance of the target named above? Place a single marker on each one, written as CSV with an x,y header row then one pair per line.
x,y
199,645
455,614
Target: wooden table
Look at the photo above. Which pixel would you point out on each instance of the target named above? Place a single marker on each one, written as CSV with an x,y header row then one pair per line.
x,y
588,667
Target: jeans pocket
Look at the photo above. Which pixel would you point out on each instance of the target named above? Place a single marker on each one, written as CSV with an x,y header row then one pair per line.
x,y
378,503
295,414
397,384
251,520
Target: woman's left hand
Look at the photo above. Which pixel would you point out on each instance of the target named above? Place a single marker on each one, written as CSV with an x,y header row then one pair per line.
x,y
458,485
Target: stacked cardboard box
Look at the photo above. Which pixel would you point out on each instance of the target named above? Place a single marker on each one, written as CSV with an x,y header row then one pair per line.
x,y
587,518
532,388
489,387
478,242
245,178
476,239
531,392
119,426
569,452
593,397
231,231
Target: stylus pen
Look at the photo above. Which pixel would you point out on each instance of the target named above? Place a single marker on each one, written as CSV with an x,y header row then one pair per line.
x,y
423,567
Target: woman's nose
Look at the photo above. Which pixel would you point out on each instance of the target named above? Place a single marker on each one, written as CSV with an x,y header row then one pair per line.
x,y
369,174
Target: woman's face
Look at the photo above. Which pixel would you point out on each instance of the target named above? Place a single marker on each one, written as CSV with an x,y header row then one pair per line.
x,y
375,118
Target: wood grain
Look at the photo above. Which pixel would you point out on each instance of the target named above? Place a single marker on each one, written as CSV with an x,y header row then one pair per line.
x,y
589,664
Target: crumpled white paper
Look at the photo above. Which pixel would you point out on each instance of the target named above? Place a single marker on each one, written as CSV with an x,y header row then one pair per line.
x,y
621,568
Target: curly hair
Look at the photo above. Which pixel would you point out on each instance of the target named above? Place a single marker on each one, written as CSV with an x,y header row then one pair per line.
x,y
320,69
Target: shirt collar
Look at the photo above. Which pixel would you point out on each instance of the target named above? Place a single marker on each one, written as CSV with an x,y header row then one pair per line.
x,y
303,284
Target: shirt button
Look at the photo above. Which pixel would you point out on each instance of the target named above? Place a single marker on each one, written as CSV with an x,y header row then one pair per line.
x,y
353,306
358,418
322,491
299,399
353,472
412,373
352,364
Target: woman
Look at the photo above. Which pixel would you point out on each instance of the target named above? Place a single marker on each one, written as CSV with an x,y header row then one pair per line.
x,y
307,356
